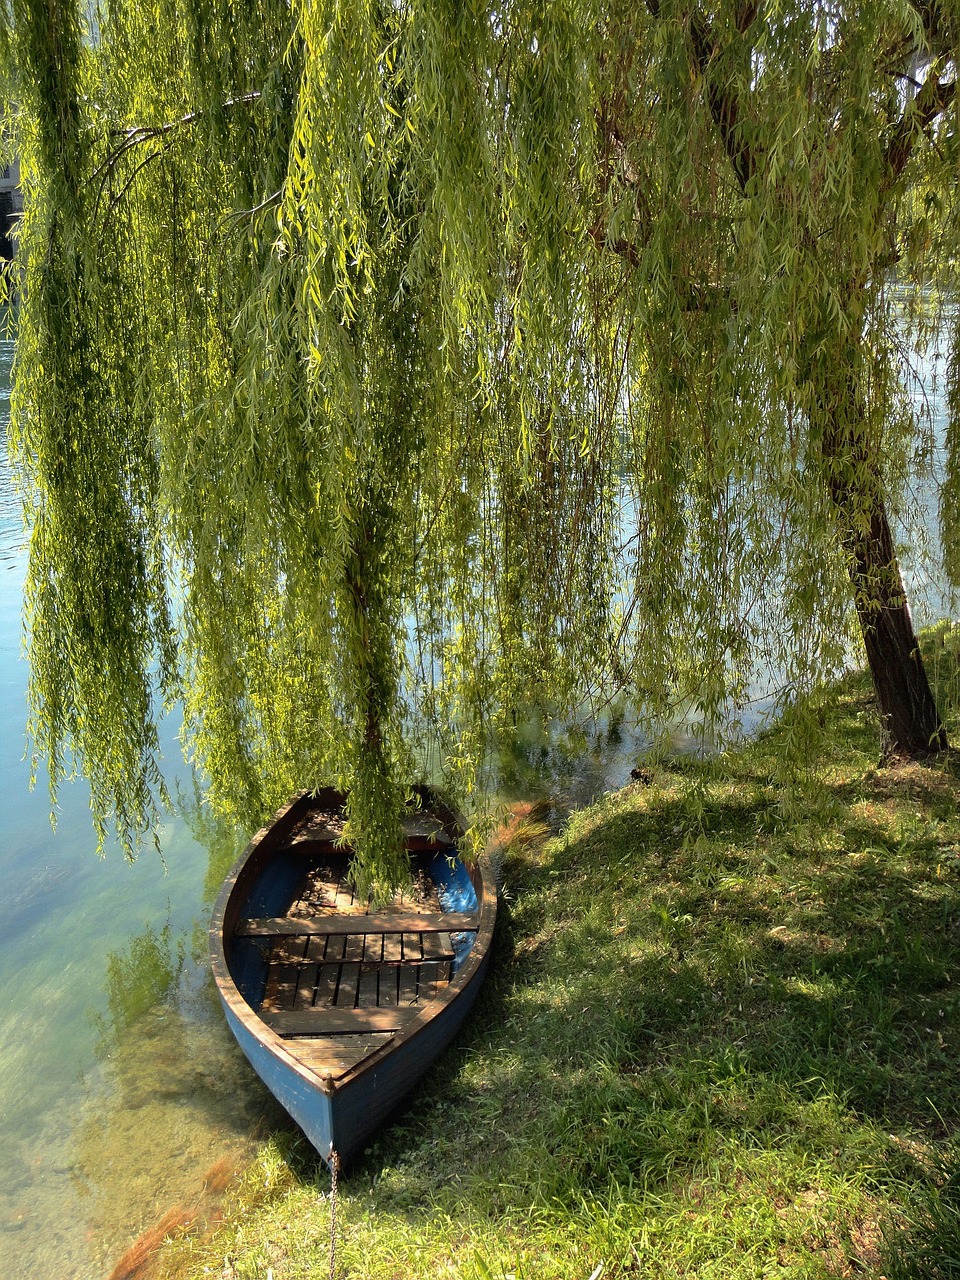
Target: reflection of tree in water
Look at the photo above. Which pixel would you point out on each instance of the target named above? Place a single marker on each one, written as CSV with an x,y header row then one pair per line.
x,y
221,839
223,842
179,1109
139,979
572,762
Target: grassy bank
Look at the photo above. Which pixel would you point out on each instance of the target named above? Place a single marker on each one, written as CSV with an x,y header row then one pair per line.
x,y
716,1041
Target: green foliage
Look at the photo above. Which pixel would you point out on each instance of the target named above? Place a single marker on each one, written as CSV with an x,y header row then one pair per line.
x,y
387,370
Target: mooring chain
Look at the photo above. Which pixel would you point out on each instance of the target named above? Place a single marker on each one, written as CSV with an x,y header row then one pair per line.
x,y
334,1162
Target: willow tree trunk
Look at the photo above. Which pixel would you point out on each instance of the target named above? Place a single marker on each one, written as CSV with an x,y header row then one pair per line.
x,y
909,719
908,712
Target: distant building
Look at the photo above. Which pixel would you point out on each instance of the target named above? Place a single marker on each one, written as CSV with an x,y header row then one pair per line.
x,y
11,207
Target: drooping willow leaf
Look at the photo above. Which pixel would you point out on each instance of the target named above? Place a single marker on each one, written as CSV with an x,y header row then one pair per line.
x,y
387,370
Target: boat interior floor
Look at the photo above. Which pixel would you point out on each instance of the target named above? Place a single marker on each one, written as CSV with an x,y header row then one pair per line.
x,y
341,979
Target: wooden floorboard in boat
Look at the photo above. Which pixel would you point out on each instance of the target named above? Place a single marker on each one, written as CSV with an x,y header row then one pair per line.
x,y
372,948
437,946
334,964
389,979
346,896
335,1055
407,977
309,973
336,946
353,949
347,987
432,976
283,973
367,987
326,989
317,891
335,1021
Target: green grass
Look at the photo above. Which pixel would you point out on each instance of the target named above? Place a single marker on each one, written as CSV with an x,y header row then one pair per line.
x,y
715,1042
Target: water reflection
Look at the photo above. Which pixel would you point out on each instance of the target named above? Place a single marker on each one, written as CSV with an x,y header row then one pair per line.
x,y
153,1129
222,841
140,978
570,764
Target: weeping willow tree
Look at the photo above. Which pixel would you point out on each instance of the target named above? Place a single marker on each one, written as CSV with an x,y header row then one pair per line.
x,y
387,369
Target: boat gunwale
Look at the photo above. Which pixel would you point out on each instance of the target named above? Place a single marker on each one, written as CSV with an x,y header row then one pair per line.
x,y
262,843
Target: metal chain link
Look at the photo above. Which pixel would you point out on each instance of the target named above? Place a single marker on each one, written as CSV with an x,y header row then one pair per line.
x,y
334,1163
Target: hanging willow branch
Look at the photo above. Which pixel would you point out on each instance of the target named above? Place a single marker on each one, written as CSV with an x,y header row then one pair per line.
x,y
136,136
563,355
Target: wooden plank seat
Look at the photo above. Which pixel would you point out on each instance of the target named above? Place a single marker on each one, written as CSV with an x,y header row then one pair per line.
x,y
301,1022
329,923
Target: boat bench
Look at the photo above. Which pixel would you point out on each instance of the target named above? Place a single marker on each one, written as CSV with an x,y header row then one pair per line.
x,y
348,973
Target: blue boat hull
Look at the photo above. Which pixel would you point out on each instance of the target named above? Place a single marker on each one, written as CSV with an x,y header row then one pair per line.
x,y
338,1112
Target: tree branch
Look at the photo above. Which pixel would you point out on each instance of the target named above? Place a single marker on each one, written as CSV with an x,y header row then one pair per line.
x,y
934,98
144,133
724,103
148,133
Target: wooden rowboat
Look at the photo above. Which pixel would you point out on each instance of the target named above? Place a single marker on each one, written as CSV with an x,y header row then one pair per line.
x,y
340,1008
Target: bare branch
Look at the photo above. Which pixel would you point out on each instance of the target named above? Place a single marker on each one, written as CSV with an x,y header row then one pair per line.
x,y
144,133
934,97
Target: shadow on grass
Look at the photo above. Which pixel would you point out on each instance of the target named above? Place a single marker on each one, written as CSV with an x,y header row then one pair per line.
x,y
675,1000
743,1031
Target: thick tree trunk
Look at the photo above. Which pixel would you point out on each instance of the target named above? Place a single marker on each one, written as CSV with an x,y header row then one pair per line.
x,y
908,712
909,719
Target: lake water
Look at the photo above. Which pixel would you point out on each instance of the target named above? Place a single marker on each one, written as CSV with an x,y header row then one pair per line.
x,y
122,1096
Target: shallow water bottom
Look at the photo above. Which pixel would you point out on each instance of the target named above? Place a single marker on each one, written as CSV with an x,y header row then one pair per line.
x,y
155,1134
